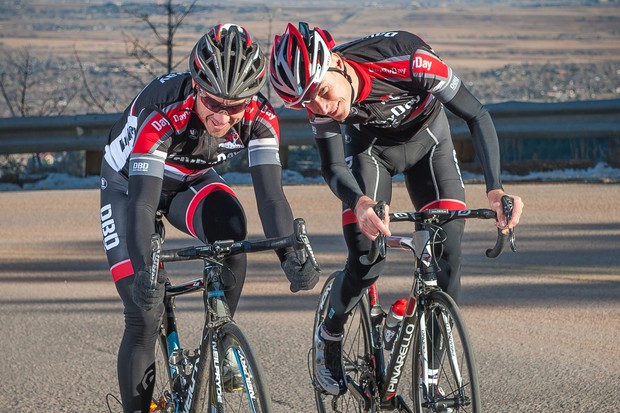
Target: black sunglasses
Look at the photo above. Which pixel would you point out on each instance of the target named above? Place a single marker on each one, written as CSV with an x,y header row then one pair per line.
x,y
217,106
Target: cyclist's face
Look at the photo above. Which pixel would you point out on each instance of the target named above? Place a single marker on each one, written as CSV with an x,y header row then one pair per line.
x,y
333,98
217,114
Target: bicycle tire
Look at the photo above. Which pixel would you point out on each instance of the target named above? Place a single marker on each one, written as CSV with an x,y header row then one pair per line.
x,y
357,353
162,399
211,396
451,393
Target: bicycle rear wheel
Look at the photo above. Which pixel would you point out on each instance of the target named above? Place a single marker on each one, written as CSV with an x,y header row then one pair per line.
x,y
453,382
219,392
356,354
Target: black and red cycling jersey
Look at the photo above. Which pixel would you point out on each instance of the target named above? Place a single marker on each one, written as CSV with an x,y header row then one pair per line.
x,y
163,137
404,84
160,148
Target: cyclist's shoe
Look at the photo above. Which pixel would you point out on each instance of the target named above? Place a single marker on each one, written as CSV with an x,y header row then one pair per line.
x,y
231,375
328,369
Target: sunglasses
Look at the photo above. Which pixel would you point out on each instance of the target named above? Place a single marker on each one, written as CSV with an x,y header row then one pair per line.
x,y
308,96
216,106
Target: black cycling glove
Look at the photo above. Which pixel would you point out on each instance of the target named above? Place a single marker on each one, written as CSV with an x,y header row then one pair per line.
x,y
144,295
302,276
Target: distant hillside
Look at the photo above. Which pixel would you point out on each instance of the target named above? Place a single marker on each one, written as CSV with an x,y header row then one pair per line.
x,y
504,50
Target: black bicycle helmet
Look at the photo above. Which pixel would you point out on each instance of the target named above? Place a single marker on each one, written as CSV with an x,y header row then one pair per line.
x,y
227,63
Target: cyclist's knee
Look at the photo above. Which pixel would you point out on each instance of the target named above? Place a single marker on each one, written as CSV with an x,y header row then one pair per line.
x,y
223,217
137,320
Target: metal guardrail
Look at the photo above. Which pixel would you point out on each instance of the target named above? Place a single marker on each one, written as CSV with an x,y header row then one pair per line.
x,y
513,120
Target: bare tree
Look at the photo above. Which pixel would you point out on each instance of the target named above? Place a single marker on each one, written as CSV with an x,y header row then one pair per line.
x,y
164,36
34,85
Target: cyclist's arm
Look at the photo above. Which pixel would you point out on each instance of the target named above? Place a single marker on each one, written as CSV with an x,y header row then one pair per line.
x,y
266,170
483,133
430,73
146,171
333,167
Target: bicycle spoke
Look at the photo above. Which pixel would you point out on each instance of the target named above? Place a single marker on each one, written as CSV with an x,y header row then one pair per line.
x,y
451,385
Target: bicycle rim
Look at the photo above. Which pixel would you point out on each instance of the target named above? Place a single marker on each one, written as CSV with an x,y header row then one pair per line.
x,y
454,387
162,399
248,392
356,351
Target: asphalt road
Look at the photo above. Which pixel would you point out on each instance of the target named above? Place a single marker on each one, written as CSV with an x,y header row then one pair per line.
x,y
545,321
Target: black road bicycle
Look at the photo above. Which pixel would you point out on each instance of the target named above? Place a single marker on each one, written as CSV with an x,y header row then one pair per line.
x,y
221,374
441,375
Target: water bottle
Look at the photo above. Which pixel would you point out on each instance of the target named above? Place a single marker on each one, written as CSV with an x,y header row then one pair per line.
x,y
393,321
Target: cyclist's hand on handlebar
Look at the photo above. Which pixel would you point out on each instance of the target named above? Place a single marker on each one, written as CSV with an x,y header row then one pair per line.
x,y
495,202
144,295
302,276
370,224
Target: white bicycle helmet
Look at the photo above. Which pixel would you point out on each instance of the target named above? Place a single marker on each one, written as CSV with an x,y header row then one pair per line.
x,y
300,58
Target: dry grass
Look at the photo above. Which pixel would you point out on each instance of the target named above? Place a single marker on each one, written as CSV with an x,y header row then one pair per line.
x,y
468,38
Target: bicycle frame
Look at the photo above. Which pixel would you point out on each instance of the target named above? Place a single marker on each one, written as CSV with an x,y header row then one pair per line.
x,y
187,375
183,367
414,325
388,374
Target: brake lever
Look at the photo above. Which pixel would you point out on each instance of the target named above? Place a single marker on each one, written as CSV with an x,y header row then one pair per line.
x,y
377,248
507,206
301,237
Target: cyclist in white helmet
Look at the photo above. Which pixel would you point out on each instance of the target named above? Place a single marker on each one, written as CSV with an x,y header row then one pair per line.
x,y
160,157
376,106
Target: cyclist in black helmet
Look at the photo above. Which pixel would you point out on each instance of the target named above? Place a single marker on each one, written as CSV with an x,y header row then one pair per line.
x,y
388,91
160,157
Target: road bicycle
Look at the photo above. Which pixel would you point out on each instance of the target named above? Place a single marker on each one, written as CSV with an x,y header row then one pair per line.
x,y
442,375
221,374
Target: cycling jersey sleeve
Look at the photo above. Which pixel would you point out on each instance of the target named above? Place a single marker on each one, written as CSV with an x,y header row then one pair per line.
x,y
144,192
333,167
483,133
434,75
146,172
266,170
273,207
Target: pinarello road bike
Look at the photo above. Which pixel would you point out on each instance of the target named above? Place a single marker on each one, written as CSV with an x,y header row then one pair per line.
x,y
441,375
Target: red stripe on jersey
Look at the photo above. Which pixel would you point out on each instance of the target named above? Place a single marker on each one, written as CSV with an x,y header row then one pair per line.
x,y
151,133
421,107
180,115
388,70
267,115
444,204
121,270
348,217
202,194
425,63
364,79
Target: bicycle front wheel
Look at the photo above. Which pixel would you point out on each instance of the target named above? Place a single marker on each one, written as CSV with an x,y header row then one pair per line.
x,y
451,384
356,354
162,400
232,381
